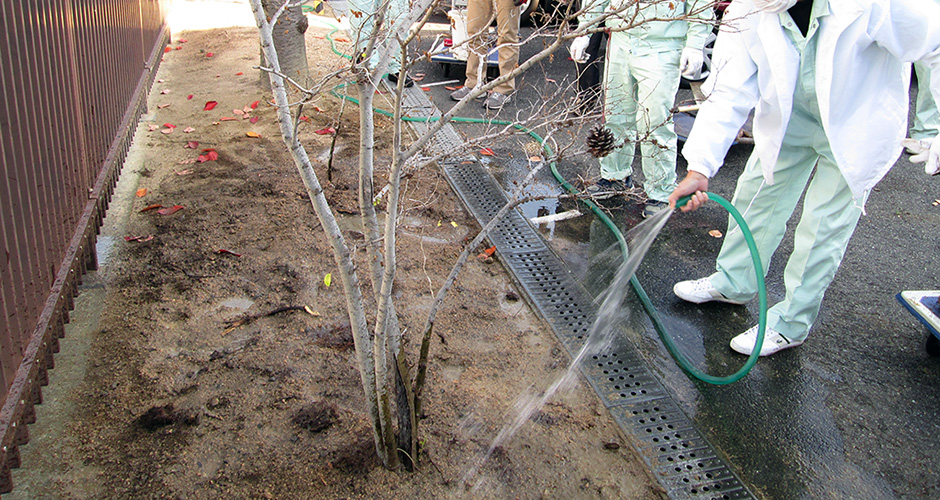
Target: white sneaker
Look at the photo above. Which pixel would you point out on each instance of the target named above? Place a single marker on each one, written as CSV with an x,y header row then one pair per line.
x,y
773,342
700,291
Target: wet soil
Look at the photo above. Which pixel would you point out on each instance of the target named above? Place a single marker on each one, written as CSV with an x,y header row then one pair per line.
x,y
222,364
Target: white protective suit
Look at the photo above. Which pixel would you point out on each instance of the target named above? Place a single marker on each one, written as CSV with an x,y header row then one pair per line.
x,y
641,76
862,81
834,106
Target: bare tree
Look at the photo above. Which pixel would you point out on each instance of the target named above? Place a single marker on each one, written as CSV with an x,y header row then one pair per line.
x,y
383,366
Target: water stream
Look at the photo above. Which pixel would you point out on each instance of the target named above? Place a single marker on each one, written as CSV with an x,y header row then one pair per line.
x,y
609,313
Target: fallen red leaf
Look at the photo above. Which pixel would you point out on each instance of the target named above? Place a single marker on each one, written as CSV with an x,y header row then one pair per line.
x,y
181,40
255,104
210,105
306,119
206,150
209,54
191,145
179,48
169,125
212,155
453,88
426,89
202,158
325,131
222,250
227,119
171,210
487,253
239,73
253,119
341,40
317,108
487,152
189,97
151,207
167,49
238,112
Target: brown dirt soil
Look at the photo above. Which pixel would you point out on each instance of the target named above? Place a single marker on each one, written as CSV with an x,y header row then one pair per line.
x,y
177,402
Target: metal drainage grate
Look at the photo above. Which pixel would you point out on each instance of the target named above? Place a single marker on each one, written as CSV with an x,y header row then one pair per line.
x,y
682,460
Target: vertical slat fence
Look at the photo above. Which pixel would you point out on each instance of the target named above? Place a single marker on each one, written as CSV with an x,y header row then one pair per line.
x,y
74,77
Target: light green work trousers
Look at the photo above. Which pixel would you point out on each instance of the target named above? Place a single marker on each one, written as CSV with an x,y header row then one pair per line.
x,y
926,115
830,215
362,24
640,80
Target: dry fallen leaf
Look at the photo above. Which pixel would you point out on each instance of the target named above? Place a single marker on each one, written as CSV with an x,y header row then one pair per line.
x,y
151,207
714,233
535,158
238,112
165,91
210,105
161,106
170,210
487,152
185,172
253,134
487,253
254,104
139,238
325,131
191,145
189,97
153,127
141,192
227,119
254,119
189,130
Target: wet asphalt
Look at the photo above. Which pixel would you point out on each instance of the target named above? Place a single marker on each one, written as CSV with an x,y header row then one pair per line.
x,y
852,413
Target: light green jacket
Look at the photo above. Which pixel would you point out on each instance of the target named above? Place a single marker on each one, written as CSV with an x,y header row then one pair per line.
x,y
657,21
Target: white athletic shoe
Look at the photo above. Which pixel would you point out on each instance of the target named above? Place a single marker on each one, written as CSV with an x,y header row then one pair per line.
x,y
773,342
700,291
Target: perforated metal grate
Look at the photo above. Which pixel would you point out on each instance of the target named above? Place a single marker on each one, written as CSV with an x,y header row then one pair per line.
x,y
683,461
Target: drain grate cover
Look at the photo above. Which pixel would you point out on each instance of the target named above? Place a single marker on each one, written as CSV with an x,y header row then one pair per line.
x,y
682,460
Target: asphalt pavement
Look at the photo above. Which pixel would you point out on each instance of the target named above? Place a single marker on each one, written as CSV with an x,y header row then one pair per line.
x,y
852,413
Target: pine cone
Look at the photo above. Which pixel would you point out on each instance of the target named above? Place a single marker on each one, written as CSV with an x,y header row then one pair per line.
x,y
600,141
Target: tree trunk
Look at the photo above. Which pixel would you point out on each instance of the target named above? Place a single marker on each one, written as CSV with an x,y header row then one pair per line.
x,y
288,34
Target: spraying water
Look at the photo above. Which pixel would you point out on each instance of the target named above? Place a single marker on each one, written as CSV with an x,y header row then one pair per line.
x,y
638,240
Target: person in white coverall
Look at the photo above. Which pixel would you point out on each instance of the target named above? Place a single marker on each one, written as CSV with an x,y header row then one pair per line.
x,y
641,77
829,80
362,21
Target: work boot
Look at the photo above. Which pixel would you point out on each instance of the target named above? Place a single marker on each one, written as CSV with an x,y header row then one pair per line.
x,y
701,291
606,188
773,342
393,77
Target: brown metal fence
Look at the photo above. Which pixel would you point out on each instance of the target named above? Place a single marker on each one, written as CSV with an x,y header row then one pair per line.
x,y
74,77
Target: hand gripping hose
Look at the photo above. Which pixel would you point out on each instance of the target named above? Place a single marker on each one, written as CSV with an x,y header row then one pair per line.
x,y
671,346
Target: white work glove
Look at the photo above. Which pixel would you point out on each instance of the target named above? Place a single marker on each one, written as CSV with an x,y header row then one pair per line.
x,y
925,151
774,6
579,47
690,63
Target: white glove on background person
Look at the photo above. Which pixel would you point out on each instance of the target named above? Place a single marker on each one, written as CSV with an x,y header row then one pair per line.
x,y
690,63
579,47
925,151
774,6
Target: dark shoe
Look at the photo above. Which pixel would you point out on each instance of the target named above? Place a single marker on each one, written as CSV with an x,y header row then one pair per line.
x,y
393,77
605,188
653,207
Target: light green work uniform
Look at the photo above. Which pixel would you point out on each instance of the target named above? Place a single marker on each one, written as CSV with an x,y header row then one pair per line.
x,y
362,24
926,115
830,213
641,77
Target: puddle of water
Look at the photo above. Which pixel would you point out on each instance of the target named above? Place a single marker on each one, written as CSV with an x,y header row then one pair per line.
x,y
238,303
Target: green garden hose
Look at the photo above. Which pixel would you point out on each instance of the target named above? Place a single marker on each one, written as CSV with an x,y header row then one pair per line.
x,y
671,346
